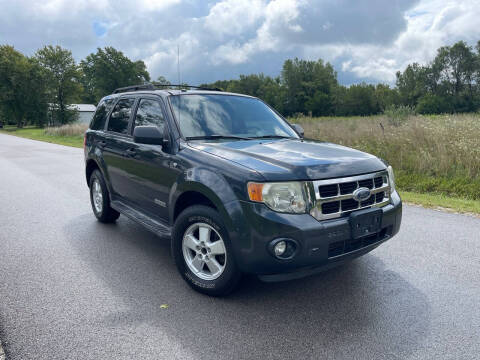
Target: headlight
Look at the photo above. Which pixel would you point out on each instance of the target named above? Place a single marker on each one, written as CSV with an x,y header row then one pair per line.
x,y
286,197
391,178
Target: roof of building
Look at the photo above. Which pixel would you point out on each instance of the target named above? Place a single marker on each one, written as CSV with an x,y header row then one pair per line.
x,y
83,107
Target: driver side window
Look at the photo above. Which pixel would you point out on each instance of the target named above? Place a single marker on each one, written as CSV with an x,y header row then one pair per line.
x,y
149,113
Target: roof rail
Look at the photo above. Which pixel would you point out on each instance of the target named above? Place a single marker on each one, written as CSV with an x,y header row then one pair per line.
x,y
134,88
153,86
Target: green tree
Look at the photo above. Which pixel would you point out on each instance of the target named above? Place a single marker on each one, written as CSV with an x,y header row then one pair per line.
x,y
411,84
62,81
22,88
357,99
163,81
109,69
309,86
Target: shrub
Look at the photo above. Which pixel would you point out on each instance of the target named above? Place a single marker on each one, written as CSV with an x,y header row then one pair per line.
x,y
67,130
433,104
397,115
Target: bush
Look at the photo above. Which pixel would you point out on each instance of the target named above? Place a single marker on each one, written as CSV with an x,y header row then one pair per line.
x,y
398,115
433,104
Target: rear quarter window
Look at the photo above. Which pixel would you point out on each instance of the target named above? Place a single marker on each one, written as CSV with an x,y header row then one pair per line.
x,y
98,121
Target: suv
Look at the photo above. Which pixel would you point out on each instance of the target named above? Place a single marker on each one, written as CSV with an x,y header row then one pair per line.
x,y
235,187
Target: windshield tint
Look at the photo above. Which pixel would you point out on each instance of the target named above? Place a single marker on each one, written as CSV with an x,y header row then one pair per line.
x,y
206,115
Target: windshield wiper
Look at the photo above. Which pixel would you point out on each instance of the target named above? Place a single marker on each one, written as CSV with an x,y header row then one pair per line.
x,y
216,136
273,137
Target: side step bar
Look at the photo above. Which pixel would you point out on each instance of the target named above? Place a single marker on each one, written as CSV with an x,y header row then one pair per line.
x,y
154,226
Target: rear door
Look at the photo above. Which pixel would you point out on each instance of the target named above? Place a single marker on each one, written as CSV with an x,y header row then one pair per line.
x,y
117,142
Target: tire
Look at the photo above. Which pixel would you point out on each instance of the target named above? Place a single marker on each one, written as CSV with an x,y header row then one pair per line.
x,y
100,199
204,220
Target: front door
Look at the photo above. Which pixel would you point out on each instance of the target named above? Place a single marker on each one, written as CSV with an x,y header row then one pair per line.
x,y
151,173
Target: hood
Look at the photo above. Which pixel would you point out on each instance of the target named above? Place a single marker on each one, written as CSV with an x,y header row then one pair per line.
x,y
292,159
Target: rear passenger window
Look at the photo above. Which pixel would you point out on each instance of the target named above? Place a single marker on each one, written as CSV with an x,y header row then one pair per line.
x,y
120,115
98,121
150,113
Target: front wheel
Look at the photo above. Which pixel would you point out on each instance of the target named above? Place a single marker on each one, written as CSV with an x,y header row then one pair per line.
x,y
202,251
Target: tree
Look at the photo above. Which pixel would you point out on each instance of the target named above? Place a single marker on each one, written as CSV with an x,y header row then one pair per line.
x,y
163,81
62,81
411,84
309,86
22,88
109,69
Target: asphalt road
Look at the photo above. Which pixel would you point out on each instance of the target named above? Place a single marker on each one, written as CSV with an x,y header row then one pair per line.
x,y
72,288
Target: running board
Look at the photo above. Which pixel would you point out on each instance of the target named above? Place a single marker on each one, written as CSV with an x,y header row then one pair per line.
x,y
154,226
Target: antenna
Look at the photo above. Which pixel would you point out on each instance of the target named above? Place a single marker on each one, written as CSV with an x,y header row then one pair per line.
x,y
178,63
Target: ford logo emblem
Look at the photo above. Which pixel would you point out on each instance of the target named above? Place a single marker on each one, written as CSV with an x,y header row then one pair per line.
x,y
362,194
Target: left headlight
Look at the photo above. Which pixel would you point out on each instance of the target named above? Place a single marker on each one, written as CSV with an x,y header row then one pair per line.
x,y
285,197
391,178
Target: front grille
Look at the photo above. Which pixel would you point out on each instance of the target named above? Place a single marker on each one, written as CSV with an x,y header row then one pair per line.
x,y
334,197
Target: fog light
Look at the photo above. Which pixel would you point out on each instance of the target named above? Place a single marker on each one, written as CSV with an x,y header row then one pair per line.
x,y
280,248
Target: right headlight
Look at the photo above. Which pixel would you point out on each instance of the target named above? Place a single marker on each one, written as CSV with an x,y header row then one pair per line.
x,y
285,197
391,178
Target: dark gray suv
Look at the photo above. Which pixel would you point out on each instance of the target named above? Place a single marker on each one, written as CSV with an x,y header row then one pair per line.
x,y
235,187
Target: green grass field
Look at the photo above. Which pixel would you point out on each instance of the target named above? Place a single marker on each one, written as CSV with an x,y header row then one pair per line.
x,y
41,135
436,158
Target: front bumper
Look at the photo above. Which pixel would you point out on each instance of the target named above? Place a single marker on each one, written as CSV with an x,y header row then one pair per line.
x,y
321,244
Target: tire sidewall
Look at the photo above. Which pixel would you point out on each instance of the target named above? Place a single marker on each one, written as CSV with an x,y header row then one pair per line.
x,y
96,175
230,276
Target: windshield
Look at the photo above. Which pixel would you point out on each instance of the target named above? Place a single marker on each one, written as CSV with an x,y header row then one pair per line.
x,y
227,115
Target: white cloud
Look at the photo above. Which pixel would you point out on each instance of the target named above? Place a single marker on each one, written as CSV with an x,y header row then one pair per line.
x,y
369,39
234,17
429,25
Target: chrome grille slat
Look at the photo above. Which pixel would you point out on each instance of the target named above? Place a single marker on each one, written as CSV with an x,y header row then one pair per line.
x,y
346,203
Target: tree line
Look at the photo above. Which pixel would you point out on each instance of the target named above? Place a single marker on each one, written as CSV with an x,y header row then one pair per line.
x,y
450,83
37,90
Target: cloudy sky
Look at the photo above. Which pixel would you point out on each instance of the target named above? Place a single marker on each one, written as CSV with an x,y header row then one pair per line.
x,y
366,40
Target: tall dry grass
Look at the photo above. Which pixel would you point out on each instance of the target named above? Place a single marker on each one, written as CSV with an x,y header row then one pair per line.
x,y
430,153
67,130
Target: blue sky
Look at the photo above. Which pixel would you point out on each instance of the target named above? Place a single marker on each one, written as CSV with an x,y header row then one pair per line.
x,y
365,40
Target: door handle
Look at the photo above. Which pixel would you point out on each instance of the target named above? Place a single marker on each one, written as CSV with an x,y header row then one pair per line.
x,y
101,144
130,152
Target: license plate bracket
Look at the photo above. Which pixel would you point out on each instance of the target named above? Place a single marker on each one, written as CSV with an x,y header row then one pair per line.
x,y
366,222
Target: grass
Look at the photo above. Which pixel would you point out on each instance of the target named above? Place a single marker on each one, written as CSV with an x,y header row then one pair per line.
x,y
436,158
442,202
71,138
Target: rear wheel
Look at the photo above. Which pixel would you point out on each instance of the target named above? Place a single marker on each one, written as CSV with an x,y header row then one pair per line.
x,y
100,199
202,251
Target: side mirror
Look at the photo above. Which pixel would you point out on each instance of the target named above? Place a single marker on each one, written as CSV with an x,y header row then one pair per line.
x,y
147,135
299,130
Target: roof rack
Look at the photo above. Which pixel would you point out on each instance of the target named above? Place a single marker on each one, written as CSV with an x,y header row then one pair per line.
x,y
154,86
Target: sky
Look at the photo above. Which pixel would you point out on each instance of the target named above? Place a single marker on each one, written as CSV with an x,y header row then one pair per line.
x,y
365,40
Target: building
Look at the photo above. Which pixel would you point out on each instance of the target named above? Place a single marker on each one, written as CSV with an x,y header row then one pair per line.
x,y
85,112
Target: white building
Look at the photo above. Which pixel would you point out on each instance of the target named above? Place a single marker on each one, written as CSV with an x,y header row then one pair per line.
x,y
85,112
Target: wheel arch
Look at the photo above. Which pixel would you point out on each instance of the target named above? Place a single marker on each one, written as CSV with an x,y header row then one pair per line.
x,y
90,167
191,193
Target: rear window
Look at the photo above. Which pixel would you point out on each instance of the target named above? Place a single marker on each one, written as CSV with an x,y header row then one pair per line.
x,y
98,121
